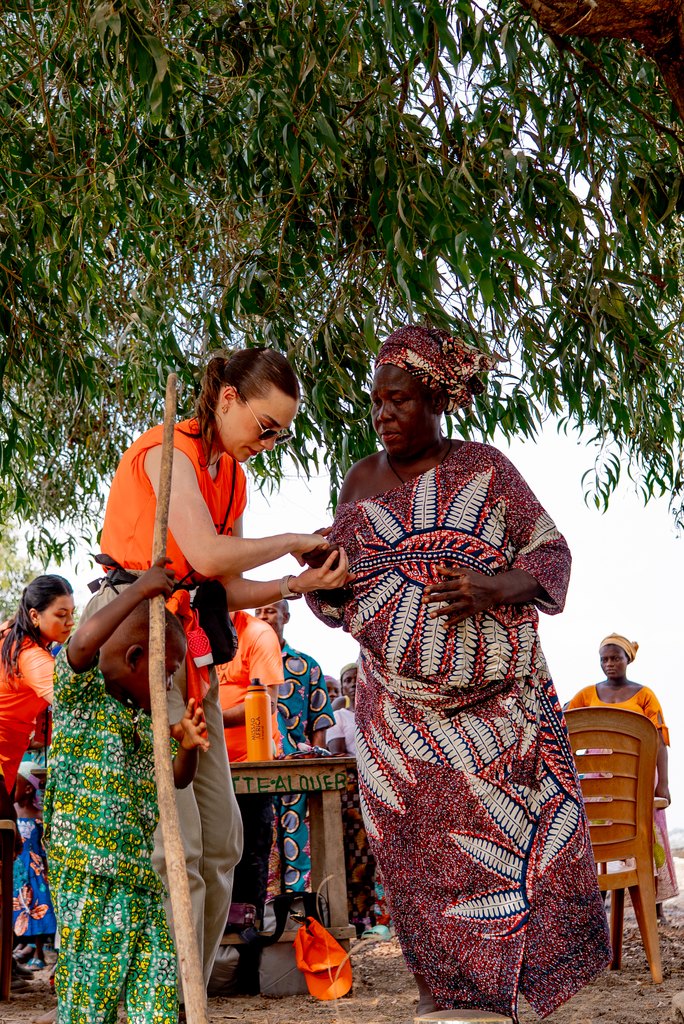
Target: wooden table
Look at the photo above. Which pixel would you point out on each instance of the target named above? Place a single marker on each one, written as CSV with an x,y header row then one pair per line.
x,y
322,779
8,830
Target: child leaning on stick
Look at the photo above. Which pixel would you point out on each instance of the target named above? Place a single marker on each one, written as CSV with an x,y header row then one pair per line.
x,y
101,813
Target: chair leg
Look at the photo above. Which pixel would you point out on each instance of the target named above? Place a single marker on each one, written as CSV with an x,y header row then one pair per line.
x,y
643,899
617,913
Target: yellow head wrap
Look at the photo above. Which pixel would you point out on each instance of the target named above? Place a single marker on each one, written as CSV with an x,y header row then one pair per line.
x,y
628,647
352,664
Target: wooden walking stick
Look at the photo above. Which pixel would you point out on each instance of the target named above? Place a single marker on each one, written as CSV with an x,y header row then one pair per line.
x,y
184,925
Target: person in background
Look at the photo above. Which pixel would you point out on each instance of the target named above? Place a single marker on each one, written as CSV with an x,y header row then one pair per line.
x,y
361,869
258,657
348,676
341,737
304,713
616,690
333,686
342,700
34,915
45,616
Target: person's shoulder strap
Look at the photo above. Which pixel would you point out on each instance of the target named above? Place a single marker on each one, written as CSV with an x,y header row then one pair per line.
x,y
232,497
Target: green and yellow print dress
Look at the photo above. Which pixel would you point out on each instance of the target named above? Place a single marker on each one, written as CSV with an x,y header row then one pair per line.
x,y
100,817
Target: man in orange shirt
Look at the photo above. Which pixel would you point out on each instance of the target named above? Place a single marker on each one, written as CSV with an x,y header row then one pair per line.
x,y
258,657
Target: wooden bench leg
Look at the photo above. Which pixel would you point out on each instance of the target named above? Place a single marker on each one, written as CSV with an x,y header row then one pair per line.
x,y
327,853
7,888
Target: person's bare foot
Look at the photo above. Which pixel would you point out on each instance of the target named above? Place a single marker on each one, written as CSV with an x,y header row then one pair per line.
x,y
46,1018
426,1003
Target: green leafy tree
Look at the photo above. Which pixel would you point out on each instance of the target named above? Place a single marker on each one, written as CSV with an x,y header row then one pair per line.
x,y
16,572
177,178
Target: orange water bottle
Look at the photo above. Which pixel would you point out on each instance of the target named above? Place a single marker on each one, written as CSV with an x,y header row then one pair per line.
x,y
258,722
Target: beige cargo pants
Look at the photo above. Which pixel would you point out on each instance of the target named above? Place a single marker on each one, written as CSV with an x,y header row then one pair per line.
x,y
210,822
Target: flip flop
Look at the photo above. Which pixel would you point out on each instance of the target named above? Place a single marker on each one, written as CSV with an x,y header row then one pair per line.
x,y
22,953
35,964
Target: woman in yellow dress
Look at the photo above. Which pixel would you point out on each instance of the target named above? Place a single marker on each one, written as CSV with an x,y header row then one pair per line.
x,y
616,690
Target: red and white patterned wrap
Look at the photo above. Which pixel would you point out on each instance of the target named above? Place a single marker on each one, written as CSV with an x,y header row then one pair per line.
x,y
467,782
441,362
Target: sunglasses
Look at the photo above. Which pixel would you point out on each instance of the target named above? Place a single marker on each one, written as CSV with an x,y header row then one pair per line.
x,y
267,433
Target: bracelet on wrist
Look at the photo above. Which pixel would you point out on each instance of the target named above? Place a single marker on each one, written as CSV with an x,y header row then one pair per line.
x,y
286,593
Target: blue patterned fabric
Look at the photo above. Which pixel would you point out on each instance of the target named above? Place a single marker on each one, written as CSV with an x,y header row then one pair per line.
x,y
303,702
33,910
303,707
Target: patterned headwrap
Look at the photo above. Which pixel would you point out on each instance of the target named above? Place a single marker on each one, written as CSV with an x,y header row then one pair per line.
x,y
439,361
630,648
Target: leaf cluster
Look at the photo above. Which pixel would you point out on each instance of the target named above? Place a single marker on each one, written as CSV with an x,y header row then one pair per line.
x,y
16,572
175,178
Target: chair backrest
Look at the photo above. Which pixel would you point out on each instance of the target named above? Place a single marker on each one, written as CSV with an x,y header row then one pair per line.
x,y
615,753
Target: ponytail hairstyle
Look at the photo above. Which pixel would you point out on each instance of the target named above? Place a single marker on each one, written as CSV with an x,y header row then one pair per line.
x,y
39,594
252,372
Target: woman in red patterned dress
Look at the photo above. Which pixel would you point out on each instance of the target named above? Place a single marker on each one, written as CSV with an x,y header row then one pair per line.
x,y
467,781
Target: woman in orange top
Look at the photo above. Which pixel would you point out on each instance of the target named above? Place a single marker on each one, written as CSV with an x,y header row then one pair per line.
x,y
616,653
45,616
245,408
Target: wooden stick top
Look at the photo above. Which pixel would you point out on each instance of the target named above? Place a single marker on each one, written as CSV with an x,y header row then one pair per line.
x,y
161,522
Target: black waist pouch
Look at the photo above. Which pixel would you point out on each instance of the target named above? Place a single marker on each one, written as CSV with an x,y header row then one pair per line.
x,y
211,606
210,603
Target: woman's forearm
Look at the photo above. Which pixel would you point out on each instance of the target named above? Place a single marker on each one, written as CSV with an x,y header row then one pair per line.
x,y
209,553
243,593
516,587
214,555
663,786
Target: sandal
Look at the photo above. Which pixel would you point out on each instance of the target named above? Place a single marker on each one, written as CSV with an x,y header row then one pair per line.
x,y
35,964
23,952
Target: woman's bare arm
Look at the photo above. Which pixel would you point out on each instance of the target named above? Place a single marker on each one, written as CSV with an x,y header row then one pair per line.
x,y
190,523
662,789
464,592
243,593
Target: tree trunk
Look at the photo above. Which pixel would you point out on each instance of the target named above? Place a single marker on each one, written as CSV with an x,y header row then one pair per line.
x,y
657,25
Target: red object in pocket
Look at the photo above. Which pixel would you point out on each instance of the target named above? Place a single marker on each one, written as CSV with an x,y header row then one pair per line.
x,y
199,647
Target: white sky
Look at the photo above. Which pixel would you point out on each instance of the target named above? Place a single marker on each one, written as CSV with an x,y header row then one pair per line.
x,y
628,566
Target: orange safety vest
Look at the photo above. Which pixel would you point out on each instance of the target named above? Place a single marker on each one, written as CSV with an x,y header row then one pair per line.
x,y
129,519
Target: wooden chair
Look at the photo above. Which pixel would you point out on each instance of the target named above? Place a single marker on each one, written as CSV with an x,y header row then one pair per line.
x,y
8,830
615,753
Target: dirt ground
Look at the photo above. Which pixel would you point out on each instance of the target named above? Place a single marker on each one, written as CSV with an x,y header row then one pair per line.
x,y
384,991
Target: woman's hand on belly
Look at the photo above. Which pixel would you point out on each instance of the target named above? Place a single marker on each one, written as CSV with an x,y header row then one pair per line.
x,y
464,592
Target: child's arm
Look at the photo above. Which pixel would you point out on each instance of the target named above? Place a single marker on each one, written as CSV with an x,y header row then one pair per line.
x,y
194,735
92,634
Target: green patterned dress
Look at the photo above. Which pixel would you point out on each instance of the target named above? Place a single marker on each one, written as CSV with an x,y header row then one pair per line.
x,y
100,816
